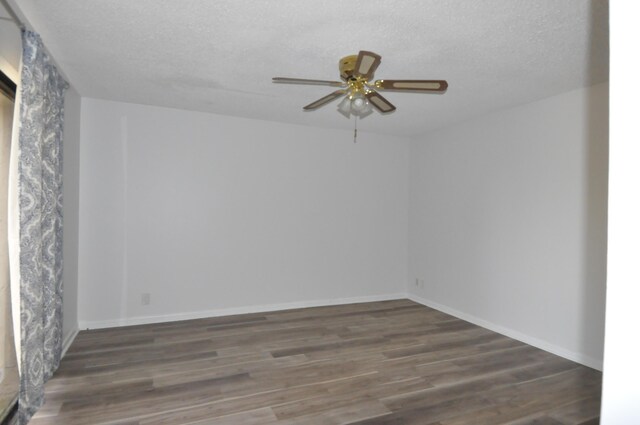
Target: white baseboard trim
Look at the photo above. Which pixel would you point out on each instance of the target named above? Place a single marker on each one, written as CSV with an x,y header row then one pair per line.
x,y
68,340
511,333
145,320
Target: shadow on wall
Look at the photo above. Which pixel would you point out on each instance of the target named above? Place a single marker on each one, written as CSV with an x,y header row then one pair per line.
x,y
596,164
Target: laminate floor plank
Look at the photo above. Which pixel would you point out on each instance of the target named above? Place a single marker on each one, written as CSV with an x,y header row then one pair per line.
x,y
238,402
336,415
581,411
390,362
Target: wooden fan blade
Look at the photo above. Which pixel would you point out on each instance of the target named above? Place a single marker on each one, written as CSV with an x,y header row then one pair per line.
x,y
366,64
285,80
413,85
379,102
323,101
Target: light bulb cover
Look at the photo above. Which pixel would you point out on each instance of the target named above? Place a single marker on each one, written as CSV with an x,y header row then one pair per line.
x,y
355,104
358,103
344,107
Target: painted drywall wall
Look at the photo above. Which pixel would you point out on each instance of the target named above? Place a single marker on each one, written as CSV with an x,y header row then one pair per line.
x,y
620,390
10,44
508,222
213,214
71,199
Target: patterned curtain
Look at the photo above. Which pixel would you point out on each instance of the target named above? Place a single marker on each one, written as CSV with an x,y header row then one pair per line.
x,y
39,202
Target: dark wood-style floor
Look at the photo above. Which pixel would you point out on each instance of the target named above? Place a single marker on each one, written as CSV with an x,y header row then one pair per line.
x,y
392,362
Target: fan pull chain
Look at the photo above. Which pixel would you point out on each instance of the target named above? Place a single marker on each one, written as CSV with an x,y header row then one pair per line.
x,y
355,129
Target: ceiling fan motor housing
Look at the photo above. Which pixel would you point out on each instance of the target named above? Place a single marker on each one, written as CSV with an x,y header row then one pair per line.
x,y
347,65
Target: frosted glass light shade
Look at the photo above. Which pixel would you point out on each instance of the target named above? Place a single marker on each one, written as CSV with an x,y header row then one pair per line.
x,y
357,105
344,107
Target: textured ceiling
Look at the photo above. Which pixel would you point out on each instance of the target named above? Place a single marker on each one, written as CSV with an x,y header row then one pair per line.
x,y
219,56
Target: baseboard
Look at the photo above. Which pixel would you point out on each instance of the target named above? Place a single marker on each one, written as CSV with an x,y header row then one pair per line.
x,y
68,340
511,333
145,320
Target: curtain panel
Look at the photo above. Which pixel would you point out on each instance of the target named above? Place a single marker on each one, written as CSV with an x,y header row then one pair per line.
x,y
39,221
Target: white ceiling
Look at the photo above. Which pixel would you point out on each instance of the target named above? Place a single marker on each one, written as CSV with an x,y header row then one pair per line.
x,y
219,56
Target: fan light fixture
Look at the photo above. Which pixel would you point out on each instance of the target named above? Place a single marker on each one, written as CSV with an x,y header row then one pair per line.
x,y
356,104
359,103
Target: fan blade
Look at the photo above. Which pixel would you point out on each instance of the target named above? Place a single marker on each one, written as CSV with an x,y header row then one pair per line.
x,y
413,85
379,102
366,64
305,81
328,98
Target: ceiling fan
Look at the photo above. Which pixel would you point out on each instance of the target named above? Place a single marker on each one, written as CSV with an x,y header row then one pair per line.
x,y
356,72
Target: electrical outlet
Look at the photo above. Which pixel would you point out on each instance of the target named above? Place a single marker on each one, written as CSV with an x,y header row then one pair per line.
x,y
417,282
145,299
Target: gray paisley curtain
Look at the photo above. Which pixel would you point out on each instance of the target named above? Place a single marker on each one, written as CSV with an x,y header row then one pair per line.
x,y
39,193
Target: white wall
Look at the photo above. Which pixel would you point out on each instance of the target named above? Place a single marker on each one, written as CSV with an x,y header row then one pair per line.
x,y
10,45
508,222
621,392
214,214
71,189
